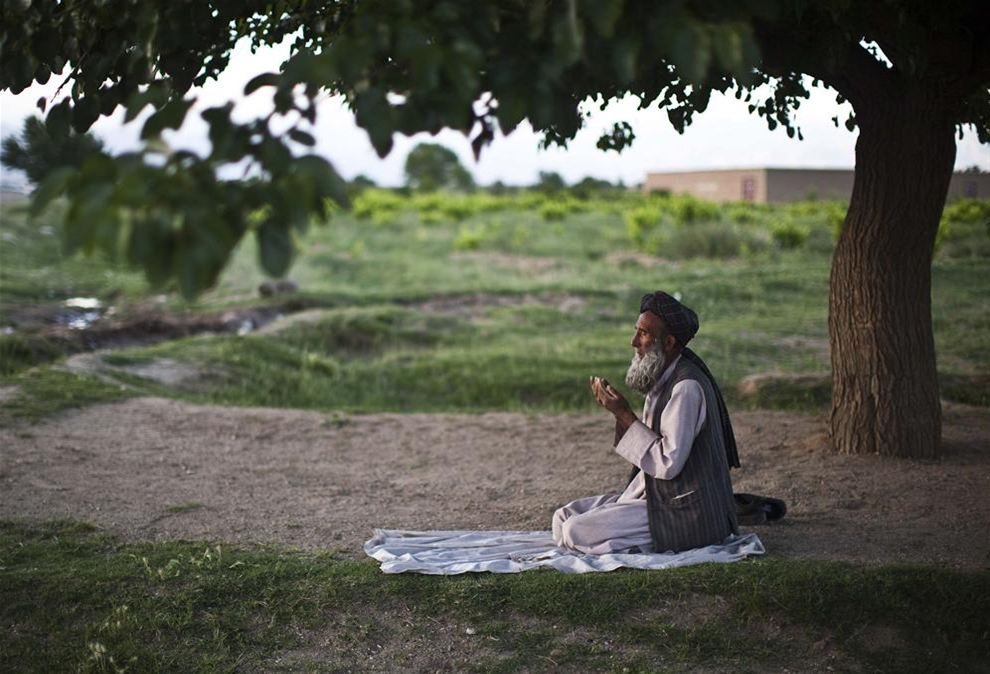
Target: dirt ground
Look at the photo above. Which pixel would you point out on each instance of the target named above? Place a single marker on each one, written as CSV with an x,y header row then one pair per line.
x,y
154,469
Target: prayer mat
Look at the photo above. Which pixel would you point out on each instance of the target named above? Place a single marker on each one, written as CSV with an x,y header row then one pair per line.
x,y
453,552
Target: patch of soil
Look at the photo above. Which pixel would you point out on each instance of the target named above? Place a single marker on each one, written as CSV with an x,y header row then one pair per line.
x,y
638,259
143,326
292,321
815,345
316,481
755,384
165,371
400,640
524,263
773,389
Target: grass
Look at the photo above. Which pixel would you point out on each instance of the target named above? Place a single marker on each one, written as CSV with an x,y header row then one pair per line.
x,y
34,268
18,353
416,321
44,391
498,353
74,598
187,507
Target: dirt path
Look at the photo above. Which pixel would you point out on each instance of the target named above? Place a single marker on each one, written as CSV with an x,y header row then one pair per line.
x,y
159,469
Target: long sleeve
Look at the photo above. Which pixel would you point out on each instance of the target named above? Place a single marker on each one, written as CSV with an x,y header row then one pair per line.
x,y
664,455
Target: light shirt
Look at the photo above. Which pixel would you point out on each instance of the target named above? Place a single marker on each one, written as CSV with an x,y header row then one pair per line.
x,y
663,455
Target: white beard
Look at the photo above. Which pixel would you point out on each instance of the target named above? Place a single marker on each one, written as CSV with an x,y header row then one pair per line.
x,y
644,370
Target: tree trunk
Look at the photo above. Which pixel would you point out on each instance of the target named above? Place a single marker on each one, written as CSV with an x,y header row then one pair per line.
x,y
885,396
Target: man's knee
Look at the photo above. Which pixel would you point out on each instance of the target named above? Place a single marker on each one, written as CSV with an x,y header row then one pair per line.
x,y
572,532
560,516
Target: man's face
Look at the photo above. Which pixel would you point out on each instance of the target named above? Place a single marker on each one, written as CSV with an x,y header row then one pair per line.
x,y
650,332
654,348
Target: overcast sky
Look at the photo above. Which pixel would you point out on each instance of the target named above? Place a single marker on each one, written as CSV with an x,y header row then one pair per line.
x,y
725,136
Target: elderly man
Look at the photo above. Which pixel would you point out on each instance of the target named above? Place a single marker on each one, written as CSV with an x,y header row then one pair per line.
x,y
680,495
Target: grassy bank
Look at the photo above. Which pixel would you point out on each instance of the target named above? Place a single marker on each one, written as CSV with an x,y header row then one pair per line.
x,y
473,303
532,351
75,598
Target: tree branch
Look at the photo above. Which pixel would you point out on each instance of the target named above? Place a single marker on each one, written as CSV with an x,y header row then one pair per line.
x,y
846,67
75,69
863,76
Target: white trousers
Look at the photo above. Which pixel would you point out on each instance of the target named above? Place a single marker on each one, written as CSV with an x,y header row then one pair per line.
x,y
597,525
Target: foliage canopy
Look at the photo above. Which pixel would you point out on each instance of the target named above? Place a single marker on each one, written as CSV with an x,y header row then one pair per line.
x,y
406,66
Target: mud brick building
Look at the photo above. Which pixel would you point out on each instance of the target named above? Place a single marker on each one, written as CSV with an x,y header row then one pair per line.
x,y
772,185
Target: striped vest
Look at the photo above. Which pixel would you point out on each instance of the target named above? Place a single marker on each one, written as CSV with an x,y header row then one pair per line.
x,y
705,513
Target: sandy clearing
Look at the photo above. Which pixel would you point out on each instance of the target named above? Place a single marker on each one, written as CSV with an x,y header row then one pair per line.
x,y
299,478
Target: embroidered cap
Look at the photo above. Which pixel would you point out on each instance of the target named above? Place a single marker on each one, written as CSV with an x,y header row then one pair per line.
x,y
680,320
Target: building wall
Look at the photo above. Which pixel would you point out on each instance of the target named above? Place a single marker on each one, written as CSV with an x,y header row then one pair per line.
x,y
975,185
799,184
718,186
764,185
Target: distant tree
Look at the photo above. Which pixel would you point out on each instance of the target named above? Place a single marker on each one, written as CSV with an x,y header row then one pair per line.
x,y
38,152
359,184
431,167
588,187
499,188
550,182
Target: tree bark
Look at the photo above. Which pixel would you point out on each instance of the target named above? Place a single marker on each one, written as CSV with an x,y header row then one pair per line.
x,y
885,397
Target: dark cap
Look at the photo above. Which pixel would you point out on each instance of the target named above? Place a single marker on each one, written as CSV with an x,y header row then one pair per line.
x,y
680,320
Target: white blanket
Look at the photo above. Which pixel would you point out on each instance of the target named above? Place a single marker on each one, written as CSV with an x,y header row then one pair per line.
x,y
453,552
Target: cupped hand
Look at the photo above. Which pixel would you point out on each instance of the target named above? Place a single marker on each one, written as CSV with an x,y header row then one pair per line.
x,y
611,399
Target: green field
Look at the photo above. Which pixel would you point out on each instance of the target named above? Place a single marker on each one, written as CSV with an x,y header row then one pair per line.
x,y
480,302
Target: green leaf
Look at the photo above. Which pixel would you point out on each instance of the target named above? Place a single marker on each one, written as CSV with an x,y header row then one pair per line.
x,y
624,57
150,246
603,15
42,74
192,272
536,19
51,187
274,156
224,134
302,137
158,266
510,112
153,95
262,80
728,47
690,51
58,119
274,247
374,115
326,182
750,56
169,117
86,111
309,68
568,36
90,207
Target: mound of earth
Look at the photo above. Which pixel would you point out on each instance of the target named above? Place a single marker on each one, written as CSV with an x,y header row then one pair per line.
x,y
154,469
